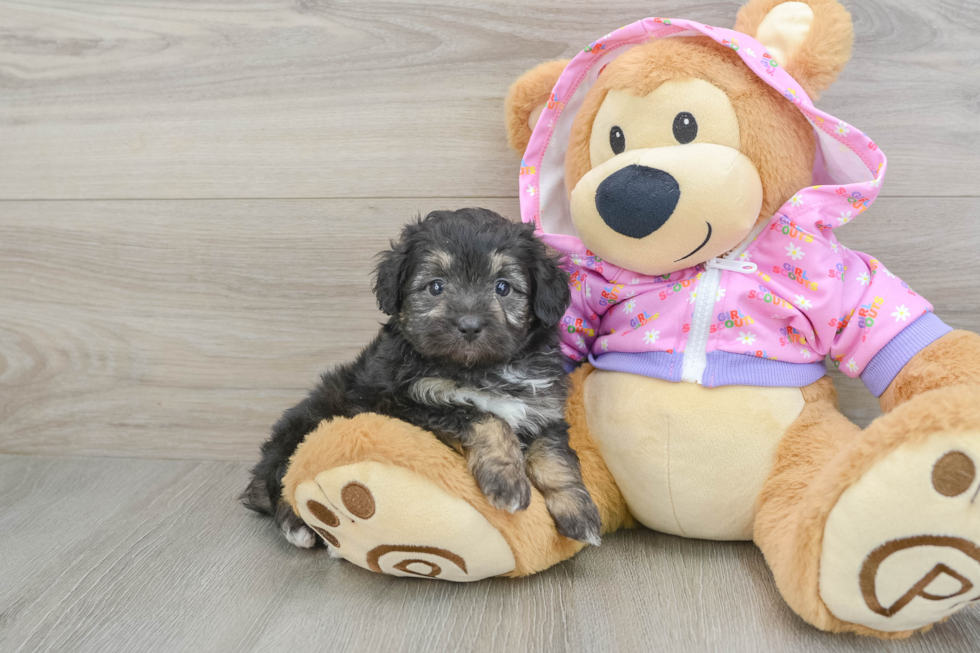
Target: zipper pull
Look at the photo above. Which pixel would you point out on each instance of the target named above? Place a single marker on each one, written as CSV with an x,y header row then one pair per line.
x,y
731,265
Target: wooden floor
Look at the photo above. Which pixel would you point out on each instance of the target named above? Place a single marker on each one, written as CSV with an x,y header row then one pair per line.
x,y
191,194
109,554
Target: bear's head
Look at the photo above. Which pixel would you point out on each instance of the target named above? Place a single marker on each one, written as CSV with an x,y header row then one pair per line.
x,y
678,149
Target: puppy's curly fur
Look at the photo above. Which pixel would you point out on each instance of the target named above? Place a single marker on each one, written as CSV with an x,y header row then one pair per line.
x,y
470,353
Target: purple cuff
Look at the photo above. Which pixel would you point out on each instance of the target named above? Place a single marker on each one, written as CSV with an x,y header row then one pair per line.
x,y
890,360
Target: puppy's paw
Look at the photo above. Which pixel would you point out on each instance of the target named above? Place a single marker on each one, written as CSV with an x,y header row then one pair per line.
x,y
576,515
300,536
506,488
495,459
293,528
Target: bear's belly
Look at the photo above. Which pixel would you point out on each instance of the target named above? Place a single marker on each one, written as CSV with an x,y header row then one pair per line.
x,y
689,460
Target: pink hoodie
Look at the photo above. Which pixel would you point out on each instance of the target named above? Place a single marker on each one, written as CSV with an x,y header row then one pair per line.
x,y
769,311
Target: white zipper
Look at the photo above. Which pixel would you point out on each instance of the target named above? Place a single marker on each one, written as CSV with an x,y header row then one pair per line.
x,y
696,352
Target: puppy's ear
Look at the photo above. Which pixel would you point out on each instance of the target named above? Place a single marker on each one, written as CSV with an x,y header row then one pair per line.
x,y
811,39
391,275
526,99
549,283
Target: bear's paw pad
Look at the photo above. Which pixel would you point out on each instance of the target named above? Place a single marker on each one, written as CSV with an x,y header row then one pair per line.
x,y
390,520
901,547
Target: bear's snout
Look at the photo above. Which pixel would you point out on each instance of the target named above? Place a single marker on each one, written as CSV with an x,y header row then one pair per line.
x,y
631,212
637,200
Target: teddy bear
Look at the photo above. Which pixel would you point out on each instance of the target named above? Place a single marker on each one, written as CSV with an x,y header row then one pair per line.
x,y
695,192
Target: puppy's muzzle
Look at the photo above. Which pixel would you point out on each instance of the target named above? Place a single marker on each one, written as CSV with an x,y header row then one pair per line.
x,y
637,200
470,326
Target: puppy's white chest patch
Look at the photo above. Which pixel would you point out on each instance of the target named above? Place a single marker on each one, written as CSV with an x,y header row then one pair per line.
x,y
516,412
518,377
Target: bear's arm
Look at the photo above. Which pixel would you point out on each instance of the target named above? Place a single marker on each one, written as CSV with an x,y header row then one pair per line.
x,y
881,322
580,324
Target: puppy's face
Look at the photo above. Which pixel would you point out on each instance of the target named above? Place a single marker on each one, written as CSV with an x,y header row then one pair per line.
x,y
470,287
470,307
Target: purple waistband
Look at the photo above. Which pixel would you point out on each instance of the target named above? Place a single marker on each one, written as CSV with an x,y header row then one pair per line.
x,y
723,368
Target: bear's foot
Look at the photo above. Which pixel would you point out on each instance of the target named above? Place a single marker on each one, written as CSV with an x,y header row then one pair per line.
x,y
391,498
901,546
908,533
391,520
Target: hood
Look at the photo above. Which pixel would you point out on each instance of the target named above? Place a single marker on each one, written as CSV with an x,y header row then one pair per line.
x,y
848,167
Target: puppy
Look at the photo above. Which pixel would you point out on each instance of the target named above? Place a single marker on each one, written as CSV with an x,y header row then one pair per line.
x,y
470,353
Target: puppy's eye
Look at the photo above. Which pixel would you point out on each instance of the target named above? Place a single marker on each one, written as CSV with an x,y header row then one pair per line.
x,y
685,128
436,286
617,140
502,288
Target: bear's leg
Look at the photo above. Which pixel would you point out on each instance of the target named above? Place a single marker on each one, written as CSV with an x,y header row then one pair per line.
x,y
787,527
392,498
613,512
876,531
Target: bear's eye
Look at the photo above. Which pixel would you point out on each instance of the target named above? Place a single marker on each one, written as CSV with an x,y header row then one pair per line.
x,y
685,127
436,286
617,141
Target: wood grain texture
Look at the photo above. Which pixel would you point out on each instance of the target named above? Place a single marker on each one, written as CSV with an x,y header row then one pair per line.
x,y
182,329
135,555
366,98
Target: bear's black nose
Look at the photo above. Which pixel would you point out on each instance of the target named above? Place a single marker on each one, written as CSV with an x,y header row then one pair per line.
x,y
637,200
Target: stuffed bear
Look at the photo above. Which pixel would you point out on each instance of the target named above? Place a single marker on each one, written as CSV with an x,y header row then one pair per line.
x,y
695,192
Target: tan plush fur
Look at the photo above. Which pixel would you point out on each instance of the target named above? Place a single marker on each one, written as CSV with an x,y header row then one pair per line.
x,y
822,455
766,121
529,92
602,486
825,51
531,533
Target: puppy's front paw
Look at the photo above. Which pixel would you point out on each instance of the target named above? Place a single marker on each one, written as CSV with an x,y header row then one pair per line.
x,y
495,459
576,515
506,488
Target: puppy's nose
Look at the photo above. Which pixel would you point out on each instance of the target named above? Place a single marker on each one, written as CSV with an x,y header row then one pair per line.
x,y
637,200
470,326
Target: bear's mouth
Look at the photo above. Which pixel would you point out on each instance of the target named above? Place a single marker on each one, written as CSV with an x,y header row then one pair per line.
x,y
699,247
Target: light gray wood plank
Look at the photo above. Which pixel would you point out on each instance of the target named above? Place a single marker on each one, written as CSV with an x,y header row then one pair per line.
x,y
135,555
107,99
182,329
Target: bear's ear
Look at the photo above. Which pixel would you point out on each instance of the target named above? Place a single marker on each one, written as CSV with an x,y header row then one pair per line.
x,y
810,39
526,99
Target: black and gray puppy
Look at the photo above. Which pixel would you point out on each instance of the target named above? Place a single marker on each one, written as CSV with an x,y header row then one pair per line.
x,y
470,353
